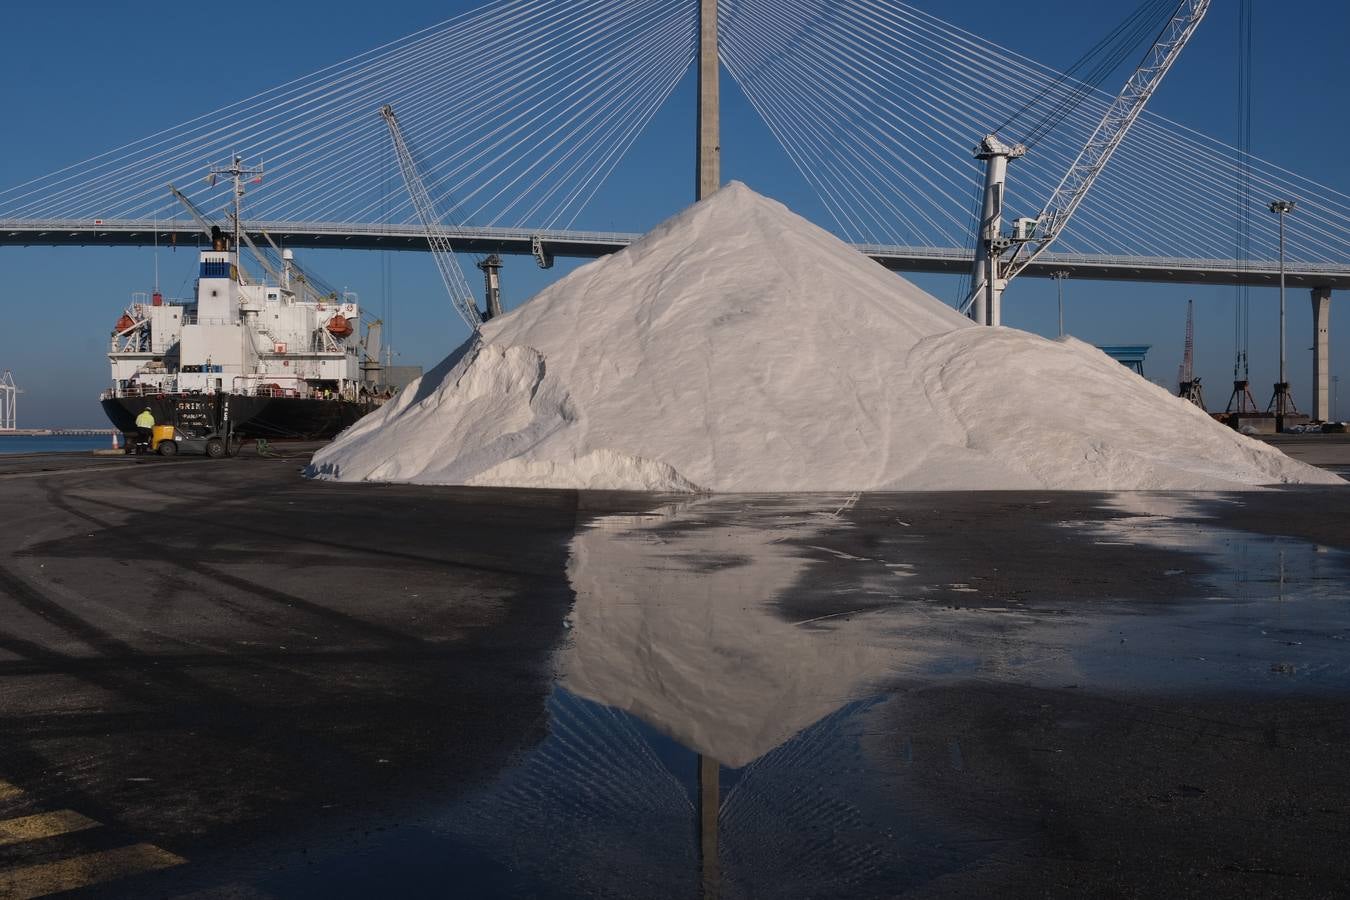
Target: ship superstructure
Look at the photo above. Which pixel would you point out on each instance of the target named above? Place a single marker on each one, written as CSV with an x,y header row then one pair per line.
x,y
276,354
240,338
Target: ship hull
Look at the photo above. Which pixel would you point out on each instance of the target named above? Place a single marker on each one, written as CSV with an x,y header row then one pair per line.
x,y
303,418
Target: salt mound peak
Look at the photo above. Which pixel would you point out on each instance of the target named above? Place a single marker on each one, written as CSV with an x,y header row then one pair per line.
x,y
738,347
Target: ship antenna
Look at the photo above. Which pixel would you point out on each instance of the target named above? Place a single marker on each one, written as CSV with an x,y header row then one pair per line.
x,y
238,167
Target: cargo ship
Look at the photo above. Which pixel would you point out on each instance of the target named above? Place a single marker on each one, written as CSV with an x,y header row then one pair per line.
x,y
273,355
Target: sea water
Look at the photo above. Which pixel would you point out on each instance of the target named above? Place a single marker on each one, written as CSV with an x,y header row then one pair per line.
x,y
53,443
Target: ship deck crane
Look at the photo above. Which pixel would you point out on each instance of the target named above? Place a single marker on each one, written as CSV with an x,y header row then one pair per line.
x,y
282,278
1032,236
209,228
438,241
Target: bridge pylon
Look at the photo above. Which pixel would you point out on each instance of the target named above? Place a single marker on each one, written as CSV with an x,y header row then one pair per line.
x,y
708,163
1321,380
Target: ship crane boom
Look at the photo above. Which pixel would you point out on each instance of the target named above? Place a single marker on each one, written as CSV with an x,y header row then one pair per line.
x,y
209,229
1032,237
438,241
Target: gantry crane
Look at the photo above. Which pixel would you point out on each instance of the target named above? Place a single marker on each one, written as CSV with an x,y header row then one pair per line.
x,y
456,285
9,402
999,258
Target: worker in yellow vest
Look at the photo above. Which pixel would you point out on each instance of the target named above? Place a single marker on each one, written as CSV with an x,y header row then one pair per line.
x,y
145,427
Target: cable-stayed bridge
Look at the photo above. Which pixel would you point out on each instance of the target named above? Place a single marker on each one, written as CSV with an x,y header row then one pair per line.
x,y
520,110
593,244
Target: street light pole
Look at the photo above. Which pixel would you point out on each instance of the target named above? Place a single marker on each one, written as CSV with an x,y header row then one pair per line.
x,y
1281,400
1059,277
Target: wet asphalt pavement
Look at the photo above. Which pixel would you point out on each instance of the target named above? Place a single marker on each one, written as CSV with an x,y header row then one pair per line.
x,y
220,680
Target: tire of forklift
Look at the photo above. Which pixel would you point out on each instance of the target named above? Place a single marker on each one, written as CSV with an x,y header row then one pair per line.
x,y
168,448
215,448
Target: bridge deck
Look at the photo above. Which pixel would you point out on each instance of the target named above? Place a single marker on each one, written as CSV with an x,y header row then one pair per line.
x,y
593,244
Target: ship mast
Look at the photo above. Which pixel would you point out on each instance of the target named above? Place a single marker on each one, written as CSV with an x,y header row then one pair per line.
x,y
238,173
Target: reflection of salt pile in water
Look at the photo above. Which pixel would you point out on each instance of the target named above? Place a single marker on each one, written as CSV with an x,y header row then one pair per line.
x,y
674,622
738,347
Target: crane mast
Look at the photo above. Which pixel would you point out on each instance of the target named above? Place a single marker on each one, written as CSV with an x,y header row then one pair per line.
x,y
1188,383
456,285
992,271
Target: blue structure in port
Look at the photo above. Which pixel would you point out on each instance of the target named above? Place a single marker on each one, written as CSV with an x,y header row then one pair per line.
x,y
1129,355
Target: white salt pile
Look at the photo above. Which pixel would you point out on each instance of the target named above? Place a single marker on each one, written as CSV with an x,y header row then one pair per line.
x,y
738,347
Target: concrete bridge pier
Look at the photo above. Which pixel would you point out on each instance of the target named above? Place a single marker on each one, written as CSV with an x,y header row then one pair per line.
x,y
1321,380
708,157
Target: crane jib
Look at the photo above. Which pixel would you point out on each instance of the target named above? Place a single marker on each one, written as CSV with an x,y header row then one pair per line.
x,y
452,276
1034,236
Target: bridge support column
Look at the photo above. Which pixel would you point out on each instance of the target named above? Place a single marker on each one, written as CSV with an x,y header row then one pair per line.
x,y
1321,380
708,175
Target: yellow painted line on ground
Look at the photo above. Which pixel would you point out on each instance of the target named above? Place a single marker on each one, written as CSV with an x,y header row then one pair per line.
x,y
43,825
9,791
82,871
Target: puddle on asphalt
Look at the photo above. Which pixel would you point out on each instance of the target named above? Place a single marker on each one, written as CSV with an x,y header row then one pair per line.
x,y
1275,614
679,655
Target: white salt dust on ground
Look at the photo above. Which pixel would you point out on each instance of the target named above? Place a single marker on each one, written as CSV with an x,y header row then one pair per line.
x,y
738,347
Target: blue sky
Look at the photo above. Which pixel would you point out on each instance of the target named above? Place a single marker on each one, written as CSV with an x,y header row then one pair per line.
x,y
82,77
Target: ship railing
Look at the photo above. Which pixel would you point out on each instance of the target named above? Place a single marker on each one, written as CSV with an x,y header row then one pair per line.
x,y
270,385
267,390
139,390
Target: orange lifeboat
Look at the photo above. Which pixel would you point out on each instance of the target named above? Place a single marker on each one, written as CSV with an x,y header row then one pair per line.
x,y
339,326
124,323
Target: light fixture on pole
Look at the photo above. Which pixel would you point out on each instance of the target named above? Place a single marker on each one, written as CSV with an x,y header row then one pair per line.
x,y
1059,275
1281,401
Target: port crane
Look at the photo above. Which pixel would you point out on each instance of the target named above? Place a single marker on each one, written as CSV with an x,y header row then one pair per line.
x,y
9,402
1188,383
438,241
1000,258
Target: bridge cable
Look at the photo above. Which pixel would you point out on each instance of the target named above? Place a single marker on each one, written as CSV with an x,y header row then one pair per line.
x,y
525,107
1104,58
870,48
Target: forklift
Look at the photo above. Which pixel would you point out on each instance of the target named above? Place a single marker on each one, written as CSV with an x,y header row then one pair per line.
x,y
200,425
